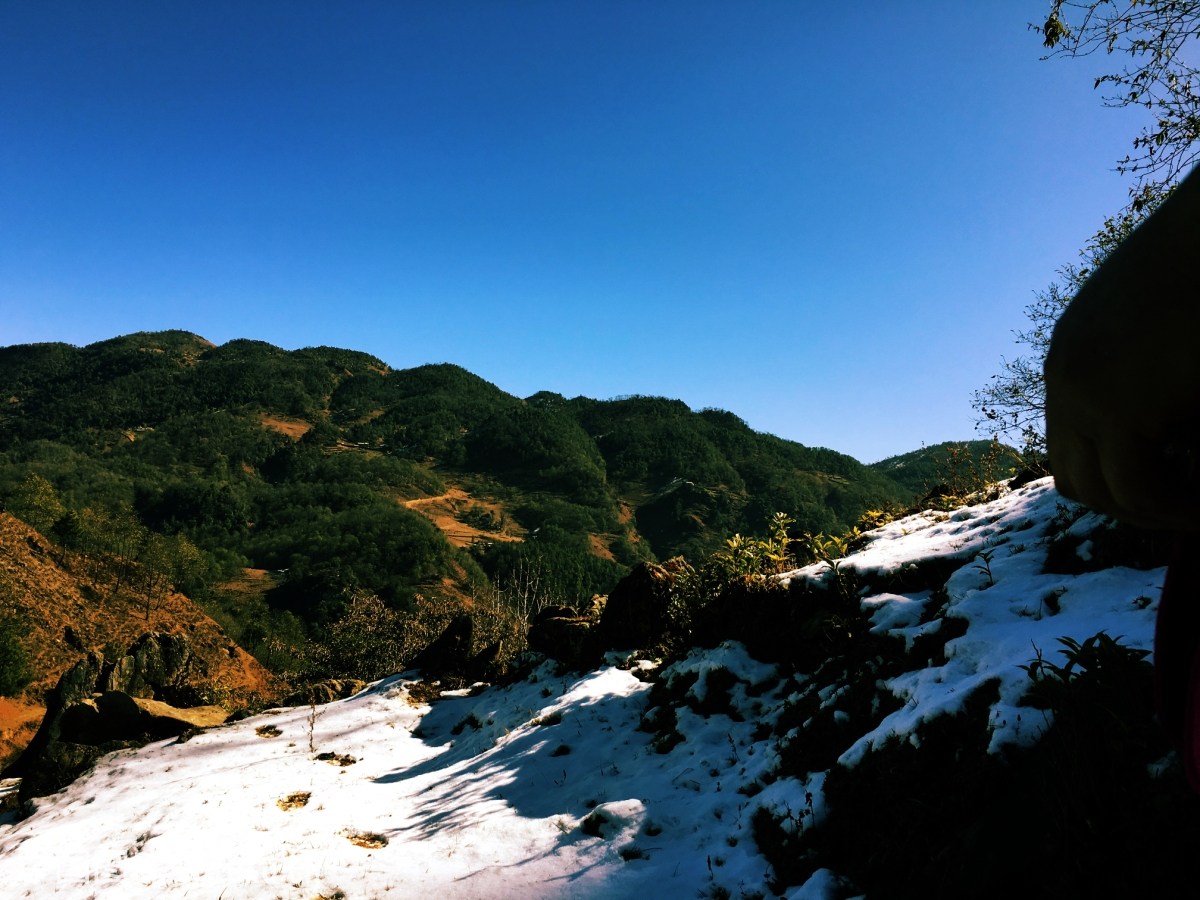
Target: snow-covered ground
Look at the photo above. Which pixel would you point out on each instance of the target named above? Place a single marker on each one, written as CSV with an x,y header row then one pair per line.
x,y
546,787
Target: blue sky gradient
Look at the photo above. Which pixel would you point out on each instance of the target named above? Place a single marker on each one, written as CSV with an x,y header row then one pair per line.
x,y
826,219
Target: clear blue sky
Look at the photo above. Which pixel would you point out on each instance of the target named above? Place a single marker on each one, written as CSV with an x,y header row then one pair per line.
x,y
826,218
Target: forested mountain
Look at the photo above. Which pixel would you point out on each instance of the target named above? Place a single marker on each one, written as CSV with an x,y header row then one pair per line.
x,y
328,472
946,467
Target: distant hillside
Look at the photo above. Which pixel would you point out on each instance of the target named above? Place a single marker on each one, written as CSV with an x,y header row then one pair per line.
x,y
921,471
334,474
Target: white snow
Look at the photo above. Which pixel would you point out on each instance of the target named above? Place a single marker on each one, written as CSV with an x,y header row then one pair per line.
x,y
546,787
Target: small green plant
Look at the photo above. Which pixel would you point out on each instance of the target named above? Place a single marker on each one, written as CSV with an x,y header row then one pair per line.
x,y
15,673
1100,664
966,477
757,556
827,548
831,549
875,518
985,565
746,563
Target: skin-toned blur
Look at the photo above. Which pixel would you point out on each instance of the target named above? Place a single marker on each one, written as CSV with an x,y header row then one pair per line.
x,y
1123,376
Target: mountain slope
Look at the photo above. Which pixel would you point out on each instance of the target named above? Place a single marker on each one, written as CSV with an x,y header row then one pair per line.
x,y
912,761
949,465
59,616
267,458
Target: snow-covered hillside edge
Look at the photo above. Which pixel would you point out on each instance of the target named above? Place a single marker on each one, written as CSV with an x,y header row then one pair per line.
x,y
689,779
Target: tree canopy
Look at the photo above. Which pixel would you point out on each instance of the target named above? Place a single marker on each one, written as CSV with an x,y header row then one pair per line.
x,y
1156,38
174,460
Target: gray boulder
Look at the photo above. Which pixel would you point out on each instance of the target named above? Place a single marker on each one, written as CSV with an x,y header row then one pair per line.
x,y
96,708
156,666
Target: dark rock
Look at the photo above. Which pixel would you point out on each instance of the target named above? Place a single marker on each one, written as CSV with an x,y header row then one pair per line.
x,y
76,684
72,640
450,652
9,795
157,666
638,614
59,765
161,720
564,634
115,716
487,664
80,724
1028,474
96,708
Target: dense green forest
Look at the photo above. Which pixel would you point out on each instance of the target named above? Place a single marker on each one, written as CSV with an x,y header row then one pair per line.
x,y
203,460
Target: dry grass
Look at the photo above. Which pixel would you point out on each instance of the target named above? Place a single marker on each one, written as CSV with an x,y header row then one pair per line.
x,y
47,591
446,512
337,759
369,840
285,425
294,800
255,582
19,720
600,548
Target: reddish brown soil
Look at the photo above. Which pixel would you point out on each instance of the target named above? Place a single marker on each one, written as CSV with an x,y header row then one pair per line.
x,y
46,592
600,548
19,720
293,428
445,510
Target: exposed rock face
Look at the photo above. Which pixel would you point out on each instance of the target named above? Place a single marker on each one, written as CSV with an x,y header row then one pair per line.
x,y
59,616
450,657
115,716
157,665
96,708
76,685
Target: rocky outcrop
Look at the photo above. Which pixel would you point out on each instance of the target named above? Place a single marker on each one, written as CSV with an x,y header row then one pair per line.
x,y
116,716
450,651
639,613
451,657
156,666
565,634
98,707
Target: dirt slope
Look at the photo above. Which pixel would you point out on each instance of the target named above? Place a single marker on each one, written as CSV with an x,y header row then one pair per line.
x,y
59,617
447,510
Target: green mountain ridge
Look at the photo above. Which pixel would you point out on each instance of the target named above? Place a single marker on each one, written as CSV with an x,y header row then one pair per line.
x,y
302,462
937,466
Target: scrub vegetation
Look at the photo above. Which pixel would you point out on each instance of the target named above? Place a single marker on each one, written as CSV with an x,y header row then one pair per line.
x,y
280,488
